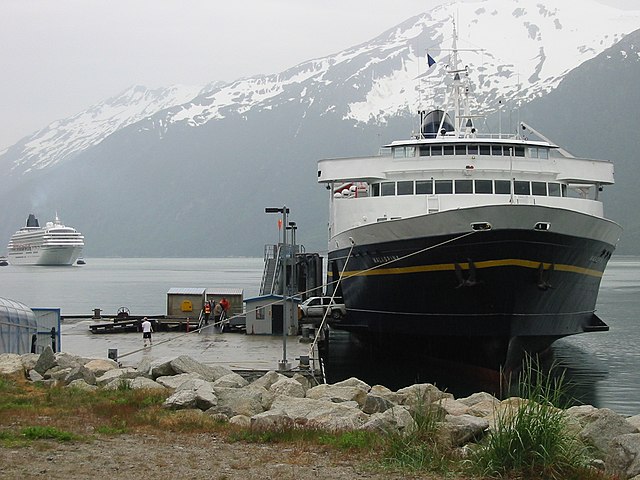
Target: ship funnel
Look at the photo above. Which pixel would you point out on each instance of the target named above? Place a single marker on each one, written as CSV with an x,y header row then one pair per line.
x,y
32,221
434,122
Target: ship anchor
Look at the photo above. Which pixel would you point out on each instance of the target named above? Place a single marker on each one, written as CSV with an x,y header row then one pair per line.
x,y
471,280
544,277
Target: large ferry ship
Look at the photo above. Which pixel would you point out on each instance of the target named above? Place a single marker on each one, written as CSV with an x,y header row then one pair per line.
x,y
53,244
468,245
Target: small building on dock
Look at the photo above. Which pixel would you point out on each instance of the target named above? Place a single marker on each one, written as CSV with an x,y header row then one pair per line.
x,y
265,315
185,302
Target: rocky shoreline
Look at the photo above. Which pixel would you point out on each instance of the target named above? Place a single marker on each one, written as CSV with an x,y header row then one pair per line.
x,y
276,401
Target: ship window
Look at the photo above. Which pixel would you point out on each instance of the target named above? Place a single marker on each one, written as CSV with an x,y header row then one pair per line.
x,y
519,152
503,187
564,189
522,188
410,152
554,189
425,151
461,149
533,152
472,149
497,150
424,187
405,188
388,188
484,186
539,188
485,150
448,149
543,153
464,186
398,152
375,189
436,150
444,186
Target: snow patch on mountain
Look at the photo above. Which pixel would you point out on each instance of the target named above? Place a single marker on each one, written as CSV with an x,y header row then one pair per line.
x,y
62,139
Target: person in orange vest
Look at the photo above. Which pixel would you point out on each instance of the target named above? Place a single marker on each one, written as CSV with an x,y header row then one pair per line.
x,y
207,312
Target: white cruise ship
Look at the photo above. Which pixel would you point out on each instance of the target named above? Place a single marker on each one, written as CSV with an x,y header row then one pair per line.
x,y
53,244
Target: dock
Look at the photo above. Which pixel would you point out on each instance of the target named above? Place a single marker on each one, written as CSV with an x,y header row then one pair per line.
x,y
249,355
132,324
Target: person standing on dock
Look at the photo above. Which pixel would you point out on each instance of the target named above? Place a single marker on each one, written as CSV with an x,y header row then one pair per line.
x,y
207,312
146,331
217,313
225,305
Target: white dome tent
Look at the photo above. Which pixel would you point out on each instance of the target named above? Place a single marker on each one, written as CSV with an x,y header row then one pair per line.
x,y
17,327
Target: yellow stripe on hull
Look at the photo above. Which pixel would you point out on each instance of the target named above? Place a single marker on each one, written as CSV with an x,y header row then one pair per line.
x,y
508,262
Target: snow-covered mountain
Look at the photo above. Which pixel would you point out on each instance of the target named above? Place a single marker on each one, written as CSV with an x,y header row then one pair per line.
x,y
63,139
521,49
188,172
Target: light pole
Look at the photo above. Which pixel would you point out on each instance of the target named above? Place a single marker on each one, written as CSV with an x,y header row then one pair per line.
x,y
283,364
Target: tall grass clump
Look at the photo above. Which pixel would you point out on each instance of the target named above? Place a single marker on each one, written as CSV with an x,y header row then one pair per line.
x,y
532,438
423,448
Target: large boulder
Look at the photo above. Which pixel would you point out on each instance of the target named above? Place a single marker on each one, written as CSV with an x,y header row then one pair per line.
x,y
242,401
46,361
267,380
307,412
231,380
376,404
289,387
116,375
174,381
421,395
186,364
11,364
99,366
353,382
144,383
67,360
387,394
394,420
600,426
192,394
624,455
461,429
635,421
453,406
80,373
29,360
338,393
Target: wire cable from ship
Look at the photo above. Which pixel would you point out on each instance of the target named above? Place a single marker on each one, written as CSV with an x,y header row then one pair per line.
x,y
326,312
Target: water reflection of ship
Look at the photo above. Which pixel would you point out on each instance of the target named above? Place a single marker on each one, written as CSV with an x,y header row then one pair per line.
x,y
580,368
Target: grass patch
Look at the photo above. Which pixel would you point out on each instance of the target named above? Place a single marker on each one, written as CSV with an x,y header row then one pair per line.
x,y
531,439
52,433
423,449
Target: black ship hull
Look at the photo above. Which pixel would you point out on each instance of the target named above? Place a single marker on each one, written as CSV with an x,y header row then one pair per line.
x,y
481,297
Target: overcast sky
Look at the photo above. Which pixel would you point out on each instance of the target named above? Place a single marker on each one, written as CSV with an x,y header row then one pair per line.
x,y
58,57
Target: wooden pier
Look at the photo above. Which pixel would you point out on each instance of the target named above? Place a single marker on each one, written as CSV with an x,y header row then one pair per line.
x,y
119,324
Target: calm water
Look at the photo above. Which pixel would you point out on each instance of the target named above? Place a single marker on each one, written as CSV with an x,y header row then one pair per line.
x,y
603,366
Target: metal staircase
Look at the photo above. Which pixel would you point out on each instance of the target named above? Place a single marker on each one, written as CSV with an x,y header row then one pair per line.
x,y
271,273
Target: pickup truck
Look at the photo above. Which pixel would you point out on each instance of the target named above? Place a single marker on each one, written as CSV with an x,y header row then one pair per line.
x,y
316,306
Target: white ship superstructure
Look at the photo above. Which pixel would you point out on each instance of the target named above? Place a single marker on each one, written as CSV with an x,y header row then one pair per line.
x,y
53,244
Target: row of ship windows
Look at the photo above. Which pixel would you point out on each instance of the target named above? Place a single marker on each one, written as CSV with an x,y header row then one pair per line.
x,y
497,150
430,187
